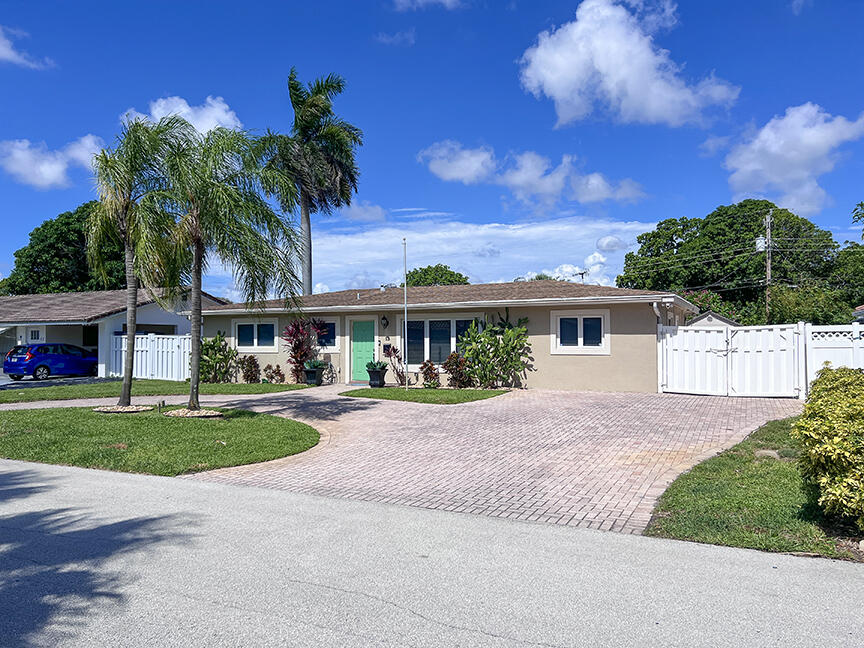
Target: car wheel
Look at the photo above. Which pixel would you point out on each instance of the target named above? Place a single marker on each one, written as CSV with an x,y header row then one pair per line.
x,y
41,372
15,377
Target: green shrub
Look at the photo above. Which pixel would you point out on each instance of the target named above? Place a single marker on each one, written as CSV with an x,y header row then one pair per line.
x,y
496,355
832,433
218,360
377,365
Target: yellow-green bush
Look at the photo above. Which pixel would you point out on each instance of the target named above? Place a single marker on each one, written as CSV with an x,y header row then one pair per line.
x,y
832,433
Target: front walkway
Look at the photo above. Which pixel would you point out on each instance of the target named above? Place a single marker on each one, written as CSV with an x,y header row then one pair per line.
x,y
586,459
580,459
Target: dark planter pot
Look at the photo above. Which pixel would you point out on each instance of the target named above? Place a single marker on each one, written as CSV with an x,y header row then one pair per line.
x,y
376,378
314,376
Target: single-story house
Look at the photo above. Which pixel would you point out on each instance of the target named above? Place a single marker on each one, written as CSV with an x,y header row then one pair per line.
x,y
859,314
582,337
710,319
88,319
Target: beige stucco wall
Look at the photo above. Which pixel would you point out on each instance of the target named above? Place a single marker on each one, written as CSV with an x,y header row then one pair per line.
x,y
630,366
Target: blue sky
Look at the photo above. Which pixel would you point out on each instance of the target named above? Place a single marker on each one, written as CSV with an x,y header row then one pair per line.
x,y
502,138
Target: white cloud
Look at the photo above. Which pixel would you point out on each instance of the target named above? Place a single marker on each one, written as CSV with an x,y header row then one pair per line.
x,y
408,5
607,58
797,6
212,113
610,244
786,157
594,187
531,177
450,161
483,251
38,166
320,288
713,145
406,38
8,53
364,211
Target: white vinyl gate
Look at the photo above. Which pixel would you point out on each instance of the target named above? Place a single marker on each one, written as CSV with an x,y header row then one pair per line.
x,y
779,361
745,361
164,357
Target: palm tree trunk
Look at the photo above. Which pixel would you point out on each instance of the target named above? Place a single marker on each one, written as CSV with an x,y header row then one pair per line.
x,y
195,322
306,242
131,318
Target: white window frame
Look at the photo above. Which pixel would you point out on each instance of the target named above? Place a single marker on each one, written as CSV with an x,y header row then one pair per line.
x,y
256,348
555,346
336,344
426,318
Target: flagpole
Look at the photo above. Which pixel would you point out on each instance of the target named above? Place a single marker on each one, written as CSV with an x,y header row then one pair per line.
x,y
405,314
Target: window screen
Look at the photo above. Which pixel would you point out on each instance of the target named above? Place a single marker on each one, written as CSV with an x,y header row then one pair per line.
x,y
328,336
439,340
461,327
414,350
569,331
592,331
245,335
266,335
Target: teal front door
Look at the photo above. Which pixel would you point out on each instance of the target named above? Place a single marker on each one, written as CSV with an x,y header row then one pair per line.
x,y
362,348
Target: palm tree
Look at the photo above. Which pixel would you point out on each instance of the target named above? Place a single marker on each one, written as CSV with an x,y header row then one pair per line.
x,y
125,176
216,195
318,156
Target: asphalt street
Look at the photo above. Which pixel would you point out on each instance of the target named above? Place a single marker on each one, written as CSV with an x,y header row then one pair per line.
x,y
93,558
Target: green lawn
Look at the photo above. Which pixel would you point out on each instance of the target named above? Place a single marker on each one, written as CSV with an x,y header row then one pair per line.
x,y
139,388
149,442
419,395
739,500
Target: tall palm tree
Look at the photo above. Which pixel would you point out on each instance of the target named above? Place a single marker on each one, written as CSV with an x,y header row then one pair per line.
x,y
318,156
216,193
125,176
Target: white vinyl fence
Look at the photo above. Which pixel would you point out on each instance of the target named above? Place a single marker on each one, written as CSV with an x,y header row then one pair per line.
x,y
164,357
778,361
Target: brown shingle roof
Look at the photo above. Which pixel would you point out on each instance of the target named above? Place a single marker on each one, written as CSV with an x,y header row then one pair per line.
x,y
420,295
68,307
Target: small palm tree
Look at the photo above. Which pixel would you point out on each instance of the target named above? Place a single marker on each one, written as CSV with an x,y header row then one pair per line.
x,y
318,157
216,195
125,177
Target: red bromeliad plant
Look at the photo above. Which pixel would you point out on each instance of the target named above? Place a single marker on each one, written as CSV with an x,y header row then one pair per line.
x,y
300,336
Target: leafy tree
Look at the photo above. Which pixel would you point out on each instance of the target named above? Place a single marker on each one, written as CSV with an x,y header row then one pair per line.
x,y
848,274
723,250
810,302
216,188
318,157
125,177
711,301
55,259
437,275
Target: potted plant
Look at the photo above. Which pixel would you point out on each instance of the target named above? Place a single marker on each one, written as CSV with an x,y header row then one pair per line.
x,y
314,372
376,369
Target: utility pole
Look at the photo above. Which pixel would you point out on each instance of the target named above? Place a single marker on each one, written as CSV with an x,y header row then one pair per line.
x,y
768,219
581,275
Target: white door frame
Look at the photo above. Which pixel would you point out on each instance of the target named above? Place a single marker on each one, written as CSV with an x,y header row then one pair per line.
x,y
349,338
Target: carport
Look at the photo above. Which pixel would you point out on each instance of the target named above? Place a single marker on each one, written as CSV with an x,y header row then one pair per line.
x,y
86,319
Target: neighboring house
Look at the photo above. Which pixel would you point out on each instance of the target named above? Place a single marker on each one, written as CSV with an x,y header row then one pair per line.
x,y
859,314
88,319
710,319
582,337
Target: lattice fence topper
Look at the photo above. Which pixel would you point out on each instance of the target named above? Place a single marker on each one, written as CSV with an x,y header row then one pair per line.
x,y
832,335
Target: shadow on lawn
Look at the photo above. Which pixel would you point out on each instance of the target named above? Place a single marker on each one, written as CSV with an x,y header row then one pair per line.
x,y
54,562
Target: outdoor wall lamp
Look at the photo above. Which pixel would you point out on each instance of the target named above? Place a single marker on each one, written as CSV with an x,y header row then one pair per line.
x,y
385,322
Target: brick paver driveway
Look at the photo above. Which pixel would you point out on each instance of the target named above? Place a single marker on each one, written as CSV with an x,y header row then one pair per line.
x,y
580,459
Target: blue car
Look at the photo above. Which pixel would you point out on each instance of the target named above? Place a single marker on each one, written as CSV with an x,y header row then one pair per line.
x,y
44,360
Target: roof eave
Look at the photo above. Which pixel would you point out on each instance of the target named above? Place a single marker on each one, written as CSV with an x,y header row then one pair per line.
x,y
498,303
